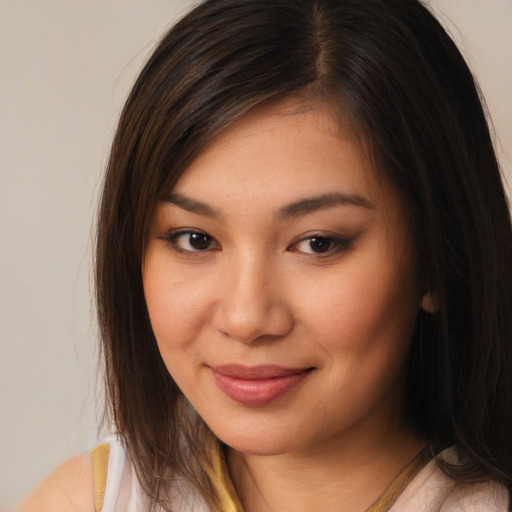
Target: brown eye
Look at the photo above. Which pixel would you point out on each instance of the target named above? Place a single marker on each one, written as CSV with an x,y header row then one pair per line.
x,y
192,241
317,244
320,244
199,241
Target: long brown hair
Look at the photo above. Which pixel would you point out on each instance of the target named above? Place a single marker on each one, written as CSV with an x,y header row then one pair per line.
x,y
399,79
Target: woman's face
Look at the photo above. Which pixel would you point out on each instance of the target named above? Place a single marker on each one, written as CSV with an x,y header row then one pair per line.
x,y
281,286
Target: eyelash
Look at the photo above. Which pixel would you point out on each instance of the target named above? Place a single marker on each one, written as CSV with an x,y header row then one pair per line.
x,y
173,239
335,243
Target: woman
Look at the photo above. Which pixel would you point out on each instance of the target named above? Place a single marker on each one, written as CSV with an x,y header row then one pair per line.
x,y
303,272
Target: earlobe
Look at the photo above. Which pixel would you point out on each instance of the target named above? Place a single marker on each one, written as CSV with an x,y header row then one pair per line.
x,y
429,303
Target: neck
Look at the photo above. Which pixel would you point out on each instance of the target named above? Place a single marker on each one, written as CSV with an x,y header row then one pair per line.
x,y
339,475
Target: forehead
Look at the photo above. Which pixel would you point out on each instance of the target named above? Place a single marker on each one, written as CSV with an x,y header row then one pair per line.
x,y
282,152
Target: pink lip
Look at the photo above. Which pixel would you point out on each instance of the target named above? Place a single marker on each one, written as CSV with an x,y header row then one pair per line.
x,y
257,385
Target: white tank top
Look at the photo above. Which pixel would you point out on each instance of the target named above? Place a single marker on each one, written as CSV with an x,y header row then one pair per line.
x,y
429,491
124,494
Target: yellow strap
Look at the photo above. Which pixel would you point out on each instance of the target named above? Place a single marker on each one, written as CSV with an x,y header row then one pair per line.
x,y
230,502
225,488
397,486
99,457
220,477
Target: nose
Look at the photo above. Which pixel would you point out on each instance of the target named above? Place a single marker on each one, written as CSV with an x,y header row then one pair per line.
x,y
252,306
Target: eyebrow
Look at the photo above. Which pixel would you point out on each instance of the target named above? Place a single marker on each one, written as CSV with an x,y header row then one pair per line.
x,y
311,204
191,205
301,207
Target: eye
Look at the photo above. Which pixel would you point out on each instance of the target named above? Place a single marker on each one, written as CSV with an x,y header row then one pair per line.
x,y
192,241
321,244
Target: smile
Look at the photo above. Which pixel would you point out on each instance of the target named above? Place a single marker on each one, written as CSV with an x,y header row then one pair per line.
x,y
257,386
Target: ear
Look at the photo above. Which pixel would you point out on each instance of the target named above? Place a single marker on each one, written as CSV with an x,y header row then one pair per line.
x,y
429,303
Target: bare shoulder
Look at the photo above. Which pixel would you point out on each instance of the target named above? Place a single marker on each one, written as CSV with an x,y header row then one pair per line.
x,y
68,489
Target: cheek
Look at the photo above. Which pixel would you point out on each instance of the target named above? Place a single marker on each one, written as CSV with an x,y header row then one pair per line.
x,y
364,325
367,309
177,308
177,314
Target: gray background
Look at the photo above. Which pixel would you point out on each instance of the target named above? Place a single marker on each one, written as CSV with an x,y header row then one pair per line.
x,y
66,67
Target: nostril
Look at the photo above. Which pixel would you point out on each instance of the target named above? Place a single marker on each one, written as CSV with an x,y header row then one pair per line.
x,y
253,324
251,306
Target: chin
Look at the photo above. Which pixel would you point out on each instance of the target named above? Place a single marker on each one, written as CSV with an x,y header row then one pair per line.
x,y
259,443
263,451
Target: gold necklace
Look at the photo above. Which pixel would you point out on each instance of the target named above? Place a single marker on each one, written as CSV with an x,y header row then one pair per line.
x,y
219,475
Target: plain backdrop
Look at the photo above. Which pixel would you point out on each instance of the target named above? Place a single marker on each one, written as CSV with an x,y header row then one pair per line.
x,y
66,68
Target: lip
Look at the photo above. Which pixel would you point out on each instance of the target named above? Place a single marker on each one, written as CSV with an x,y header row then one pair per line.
x,y
257,385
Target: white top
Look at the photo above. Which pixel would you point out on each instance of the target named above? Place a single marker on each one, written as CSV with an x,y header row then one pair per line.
x,y
124,494
430,491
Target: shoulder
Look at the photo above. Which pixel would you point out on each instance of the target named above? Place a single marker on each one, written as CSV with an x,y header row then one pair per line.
x,y
68,489
485,496
481,497
431,490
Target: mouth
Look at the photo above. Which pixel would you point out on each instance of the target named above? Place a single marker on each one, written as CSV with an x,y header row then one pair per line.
x,y
257,385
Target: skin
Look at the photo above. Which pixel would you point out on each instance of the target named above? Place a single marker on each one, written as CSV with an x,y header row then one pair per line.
x,y
259,292
68,489
252,287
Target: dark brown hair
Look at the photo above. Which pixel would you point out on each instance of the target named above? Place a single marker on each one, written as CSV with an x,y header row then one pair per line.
x,y
396,75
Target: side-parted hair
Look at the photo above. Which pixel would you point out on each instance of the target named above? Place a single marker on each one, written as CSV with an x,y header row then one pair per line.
x,y
389,70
